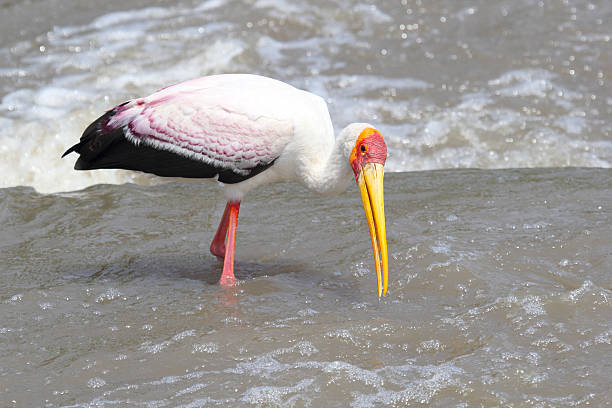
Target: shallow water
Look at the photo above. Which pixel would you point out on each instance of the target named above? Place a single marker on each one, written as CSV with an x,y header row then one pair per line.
x,y
500,295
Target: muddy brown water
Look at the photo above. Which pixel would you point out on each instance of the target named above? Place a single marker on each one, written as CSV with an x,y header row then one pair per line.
x,y
500,295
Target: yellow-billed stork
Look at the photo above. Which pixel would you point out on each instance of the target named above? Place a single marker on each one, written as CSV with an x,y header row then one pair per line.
x,y
243,131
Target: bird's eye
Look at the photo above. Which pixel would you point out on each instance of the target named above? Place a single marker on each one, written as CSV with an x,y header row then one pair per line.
x,y
364,149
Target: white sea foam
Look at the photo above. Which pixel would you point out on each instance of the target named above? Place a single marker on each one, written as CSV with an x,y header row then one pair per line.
x,y
41,122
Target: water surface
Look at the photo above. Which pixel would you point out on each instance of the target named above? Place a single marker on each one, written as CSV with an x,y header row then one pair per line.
x,y
500,295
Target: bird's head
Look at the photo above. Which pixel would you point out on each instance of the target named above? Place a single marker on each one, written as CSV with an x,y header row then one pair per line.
x,y
367,158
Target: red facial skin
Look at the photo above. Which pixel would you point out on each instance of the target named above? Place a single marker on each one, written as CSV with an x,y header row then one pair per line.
x,y
369,148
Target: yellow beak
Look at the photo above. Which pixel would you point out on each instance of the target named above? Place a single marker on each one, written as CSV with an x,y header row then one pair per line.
x,y
370,182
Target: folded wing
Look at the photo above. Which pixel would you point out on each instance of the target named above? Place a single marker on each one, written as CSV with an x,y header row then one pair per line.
x,y
197,129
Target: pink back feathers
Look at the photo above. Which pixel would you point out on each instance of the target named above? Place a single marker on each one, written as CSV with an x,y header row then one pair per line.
x,y
192,125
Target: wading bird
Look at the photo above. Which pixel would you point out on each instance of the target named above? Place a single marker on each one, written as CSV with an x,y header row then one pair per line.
x,y
243,131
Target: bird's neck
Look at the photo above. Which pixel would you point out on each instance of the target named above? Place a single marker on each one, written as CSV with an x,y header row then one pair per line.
x,y
328,175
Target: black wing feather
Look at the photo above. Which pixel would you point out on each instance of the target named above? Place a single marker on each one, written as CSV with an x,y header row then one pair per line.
x,y
110,149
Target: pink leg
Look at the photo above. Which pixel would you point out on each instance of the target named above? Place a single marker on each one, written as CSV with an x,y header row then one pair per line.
x,y
227,277
217,247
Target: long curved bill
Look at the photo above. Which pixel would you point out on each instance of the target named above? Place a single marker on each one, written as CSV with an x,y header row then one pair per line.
x,y
370,183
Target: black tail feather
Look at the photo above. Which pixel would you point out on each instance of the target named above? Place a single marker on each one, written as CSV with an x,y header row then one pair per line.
x,y
72,149
95,140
